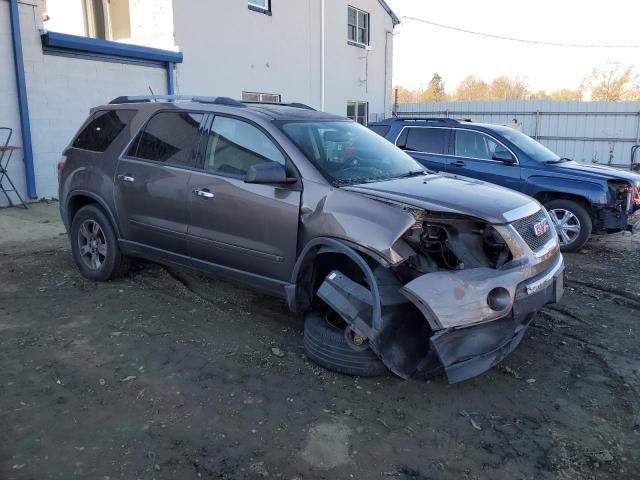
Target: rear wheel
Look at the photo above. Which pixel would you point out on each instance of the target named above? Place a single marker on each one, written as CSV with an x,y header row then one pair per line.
x,y
572,223
94,245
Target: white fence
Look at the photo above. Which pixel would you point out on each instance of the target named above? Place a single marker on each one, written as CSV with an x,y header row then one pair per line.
x,y
593,132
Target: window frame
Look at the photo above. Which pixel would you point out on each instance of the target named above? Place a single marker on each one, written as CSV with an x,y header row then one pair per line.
x,y
251,5
357,26
289,164
194,149
452,139
356,104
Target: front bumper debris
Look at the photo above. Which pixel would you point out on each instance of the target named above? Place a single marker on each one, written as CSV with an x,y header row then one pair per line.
x,y
460,335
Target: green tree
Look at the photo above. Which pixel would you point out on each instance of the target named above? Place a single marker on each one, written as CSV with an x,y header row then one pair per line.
x,y
434,91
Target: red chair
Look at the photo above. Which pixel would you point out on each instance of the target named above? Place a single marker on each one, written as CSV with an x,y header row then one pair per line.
x,y
6,151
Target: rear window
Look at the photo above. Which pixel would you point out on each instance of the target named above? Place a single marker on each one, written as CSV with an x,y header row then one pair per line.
x,y
103,128
427,140
381,130
168,137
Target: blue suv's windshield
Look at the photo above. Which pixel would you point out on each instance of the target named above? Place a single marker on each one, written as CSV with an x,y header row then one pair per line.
x,y
347,153
536,151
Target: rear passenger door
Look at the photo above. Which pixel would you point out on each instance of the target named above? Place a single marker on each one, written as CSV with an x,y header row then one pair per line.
x,y
473,156
150,187
428,145
246,227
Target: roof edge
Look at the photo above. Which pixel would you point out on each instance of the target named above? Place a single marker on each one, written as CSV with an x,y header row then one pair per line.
x,y
387,8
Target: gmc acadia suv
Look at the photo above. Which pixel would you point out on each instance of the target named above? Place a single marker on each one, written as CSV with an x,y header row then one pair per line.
x,y
393,267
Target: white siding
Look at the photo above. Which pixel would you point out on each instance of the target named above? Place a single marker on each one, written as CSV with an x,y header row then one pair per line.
x,y
598,132
230,49
61,90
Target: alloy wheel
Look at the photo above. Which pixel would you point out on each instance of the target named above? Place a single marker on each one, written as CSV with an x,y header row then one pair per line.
x,y
92,244
567,225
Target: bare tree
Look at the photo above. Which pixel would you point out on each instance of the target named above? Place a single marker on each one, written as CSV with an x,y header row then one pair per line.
x,y
613,83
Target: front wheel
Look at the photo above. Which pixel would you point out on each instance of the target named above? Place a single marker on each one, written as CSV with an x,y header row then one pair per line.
x,y
572,223
94,244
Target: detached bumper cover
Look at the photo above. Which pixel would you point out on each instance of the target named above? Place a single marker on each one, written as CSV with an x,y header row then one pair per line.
x,y
466,352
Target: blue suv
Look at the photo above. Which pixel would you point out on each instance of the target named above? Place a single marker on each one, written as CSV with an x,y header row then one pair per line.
x,y
581,199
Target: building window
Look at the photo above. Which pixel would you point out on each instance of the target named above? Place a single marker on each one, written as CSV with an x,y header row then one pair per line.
x,y
358,26
107,19
358,111
261,97
263,6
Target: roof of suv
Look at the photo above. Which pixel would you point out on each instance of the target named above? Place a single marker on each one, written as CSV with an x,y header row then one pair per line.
x,y
273,111
437,121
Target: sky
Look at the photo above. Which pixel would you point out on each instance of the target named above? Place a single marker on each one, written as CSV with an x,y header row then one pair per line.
x,y
421,50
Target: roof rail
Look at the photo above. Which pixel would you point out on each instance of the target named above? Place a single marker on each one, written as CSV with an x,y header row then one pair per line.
x,y
176,98
428,119
292,104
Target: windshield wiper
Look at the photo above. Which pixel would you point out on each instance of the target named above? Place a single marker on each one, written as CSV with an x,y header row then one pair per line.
x,y
559,160
412,173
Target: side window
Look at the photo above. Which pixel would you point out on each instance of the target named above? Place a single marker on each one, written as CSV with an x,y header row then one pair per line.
x,y
168,137
427,140
102,130
475,145
234,146
381,130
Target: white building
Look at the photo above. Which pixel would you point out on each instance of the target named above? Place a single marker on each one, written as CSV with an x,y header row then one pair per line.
x,y
61,57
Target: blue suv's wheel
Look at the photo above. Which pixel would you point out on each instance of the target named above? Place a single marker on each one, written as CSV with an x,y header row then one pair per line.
x,y
572,222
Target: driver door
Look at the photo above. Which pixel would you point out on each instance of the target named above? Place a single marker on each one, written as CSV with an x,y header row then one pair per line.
x,y
250,228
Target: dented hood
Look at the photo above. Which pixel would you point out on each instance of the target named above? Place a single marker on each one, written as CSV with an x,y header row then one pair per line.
x,y
453,194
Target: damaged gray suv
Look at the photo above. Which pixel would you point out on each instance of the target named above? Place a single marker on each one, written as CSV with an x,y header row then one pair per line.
x,y
393,267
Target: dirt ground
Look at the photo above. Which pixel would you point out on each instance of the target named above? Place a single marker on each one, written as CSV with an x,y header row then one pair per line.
x,y
164,374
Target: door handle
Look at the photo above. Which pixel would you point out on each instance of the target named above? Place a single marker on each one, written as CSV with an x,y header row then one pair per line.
x,y
126,178
458,163
204,193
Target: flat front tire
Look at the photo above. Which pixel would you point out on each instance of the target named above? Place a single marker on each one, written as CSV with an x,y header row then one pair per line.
x,y
328,346
572,223
94,244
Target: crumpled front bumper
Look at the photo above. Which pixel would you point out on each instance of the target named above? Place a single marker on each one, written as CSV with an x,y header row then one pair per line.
x,y
468,351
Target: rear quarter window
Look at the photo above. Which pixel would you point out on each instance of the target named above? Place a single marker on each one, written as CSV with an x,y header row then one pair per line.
x,y
103,128
381,130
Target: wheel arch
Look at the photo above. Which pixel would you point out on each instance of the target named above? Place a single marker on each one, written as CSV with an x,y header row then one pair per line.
x,y
80,198
300,292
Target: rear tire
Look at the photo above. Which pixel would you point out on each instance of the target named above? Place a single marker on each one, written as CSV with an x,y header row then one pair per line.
x,y
94,245
327,346
572,222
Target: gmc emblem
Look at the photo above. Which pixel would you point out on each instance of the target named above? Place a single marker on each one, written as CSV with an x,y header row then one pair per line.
x,y
540,228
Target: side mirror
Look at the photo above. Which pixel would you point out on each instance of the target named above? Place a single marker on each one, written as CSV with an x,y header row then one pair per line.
x,y
504,156
269,173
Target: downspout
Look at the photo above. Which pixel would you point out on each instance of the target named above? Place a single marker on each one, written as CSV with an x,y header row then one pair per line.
x,y
23,102
171,88
322,54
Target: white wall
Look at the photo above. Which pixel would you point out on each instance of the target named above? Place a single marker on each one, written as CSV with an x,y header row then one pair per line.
x,y
572,121
229,49
61,90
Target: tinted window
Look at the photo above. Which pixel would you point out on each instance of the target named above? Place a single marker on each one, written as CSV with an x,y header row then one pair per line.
x,y
168,137
475,145
428,140
234,146
381,130
103,129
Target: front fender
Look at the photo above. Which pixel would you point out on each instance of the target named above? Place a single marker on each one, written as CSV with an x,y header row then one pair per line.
x,y
592,192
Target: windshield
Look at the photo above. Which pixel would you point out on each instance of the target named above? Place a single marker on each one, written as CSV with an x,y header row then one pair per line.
x,y
347,153
528,145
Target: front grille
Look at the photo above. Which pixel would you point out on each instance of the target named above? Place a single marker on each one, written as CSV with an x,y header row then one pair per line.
x,y
525,227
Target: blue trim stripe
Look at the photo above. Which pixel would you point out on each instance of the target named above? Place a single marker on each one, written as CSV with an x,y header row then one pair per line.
x,y
23,102
387,8
62,41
